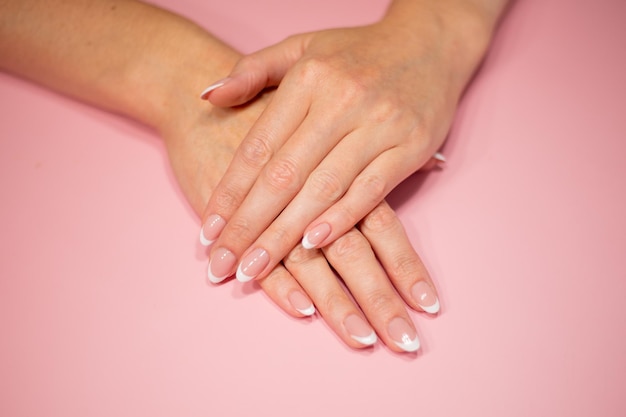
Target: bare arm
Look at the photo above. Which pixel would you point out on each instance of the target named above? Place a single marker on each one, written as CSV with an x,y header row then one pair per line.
x,y
124,56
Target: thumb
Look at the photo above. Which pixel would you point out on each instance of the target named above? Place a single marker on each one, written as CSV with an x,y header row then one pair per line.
x,y
254,72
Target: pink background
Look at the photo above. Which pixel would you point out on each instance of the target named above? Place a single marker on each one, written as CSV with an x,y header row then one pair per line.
x,y
104,310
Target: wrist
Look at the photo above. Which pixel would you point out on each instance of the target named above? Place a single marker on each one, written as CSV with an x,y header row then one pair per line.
x,y
455,31
163,81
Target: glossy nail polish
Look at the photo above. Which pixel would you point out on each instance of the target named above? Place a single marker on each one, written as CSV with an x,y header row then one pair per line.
x,y
425,297
301,303
316,236
359,330
205,93
211,229
252,264
221,264
403,335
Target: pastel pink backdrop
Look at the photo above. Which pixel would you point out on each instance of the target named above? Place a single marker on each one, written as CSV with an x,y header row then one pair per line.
x,y
104,309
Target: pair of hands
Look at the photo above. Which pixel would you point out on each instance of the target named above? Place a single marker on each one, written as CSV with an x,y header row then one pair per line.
x,y
354,114
374,262
357,110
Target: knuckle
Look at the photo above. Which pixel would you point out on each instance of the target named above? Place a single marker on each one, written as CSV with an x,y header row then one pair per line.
x,y
381,219
373,186
256,152
227,200
379,303
283,235
326,186
282,174
300,255
386,109
349,247
241,229
354,89
332,302
404,265
313,68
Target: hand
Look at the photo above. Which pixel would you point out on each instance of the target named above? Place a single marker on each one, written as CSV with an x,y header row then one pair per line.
x,y
133,67
356,112
200,145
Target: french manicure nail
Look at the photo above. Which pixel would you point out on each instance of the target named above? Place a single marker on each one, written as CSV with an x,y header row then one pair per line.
x,y
359,330
439,157
221,265
403,335
301,303
211,229
252,265
316,236
425,297
204,95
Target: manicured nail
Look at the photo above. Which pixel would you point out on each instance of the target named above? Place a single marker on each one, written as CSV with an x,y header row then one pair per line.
x,y
252,265
316,236
439,157
425,297
211,229
359,330
403,335
301,303
205,94
221,265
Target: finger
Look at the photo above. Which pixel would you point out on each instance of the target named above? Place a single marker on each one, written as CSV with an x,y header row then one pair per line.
x,y
353,259
403,266
260,144
313,273
248,210
367,190
254,72
285,291
324,186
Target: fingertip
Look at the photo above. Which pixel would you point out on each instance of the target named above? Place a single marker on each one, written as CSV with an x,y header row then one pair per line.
x,y
301,303
218,84
439,157
426,297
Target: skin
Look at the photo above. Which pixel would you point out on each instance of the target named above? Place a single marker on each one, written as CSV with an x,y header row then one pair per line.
x,y
126,57
356,112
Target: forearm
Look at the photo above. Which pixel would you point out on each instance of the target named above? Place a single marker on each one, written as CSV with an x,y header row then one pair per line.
x,y
122,55
462,28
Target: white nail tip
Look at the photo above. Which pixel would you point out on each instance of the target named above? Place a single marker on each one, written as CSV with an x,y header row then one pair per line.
x,y
211,88
213,278
409,345
241,276
439,157
433,309
307,311
306,244
203,240
366,340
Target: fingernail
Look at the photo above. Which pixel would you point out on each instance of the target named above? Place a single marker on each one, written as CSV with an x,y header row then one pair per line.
x,y
211,229
205,94
221,265
425,297
316,236
359,330
439,157
252,265
403,335
301,303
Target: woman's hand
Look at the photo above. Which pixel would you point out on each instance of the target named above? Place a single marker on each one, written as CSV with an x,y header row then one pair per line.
x,y
357,111
146,63
376,262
